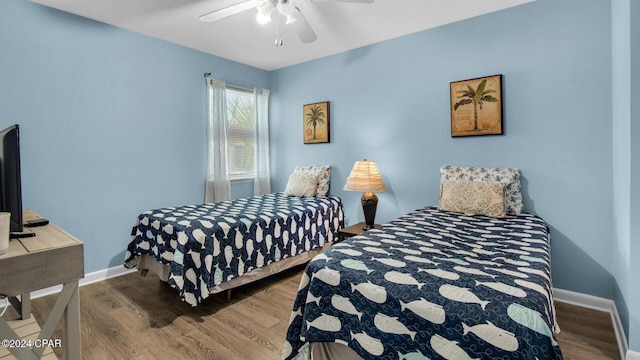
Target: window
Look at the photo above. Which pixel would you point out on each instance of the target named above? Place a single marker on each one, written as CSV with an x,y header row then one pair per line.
x,y
240,134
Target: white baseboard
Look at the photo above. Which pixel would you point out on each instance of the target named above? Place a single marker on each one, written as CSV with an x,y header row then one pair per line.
x,y
582,300
600,304
632,355
90,278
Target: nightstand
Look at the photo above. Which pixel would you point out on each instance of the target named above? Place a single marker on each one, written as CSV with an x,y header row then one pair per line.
x,y
52,257
352,230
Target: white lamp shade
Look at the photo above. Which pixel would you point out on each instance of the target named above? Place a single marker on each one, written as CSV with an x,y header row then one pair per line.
x,y
365,177
264,12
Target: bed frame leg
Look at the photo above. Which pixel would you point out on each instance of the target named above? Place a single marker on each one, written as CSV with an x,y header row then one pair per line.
x,y
229,295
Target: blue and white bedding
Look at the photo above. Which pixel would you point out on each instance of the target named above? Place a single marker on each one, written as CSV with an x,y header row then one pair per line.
x,y
208,244
432,285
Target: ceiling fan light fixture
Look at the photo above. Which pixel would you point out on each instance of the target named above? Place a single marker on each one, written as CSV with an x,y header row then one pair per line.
x,y
262,18
285,8
264,12
290,19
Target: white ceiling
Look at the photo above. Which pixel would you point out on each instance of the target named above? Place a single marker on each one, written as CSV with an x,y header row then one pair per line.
x,y
339,26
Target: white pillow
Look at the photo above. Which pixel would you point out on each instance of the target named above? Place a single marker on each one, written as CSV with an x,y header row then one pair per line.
x,y
302,185
323,174
473,197
509,176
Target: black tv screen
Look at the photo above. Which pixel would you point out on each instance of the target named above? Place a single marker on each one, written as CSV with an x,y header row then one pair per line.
x,y
10,180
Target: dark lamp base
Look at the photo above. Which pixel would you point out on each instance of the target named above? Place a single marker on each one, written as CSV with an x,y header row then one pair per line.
x,y
369,202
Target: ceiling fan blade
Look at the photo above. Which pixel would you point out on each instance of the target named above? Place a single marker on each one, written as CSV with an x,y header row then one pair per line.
x,y
302,27
231,10
352,1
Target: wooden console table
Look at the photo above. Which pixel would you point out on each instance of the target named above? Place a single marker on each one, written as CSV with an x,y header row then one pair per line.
x,y
52,257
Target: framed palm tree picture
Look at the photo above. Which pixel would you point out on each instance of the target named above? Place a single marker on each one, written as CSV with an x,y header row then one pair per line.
x,y
476,106
315,123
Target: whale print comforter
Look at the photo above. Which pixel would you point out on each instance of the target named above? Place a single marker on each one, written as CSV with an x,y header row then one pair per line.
x,y
211,243
432,285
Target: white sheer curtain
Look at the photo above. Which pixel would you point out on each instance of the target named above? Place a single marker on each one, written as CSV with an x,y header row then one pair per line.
x,y
262,181
218,185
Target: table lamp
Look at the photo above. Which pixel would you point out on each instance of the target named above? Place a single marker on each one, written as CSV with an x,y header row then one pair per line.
x,y
365,177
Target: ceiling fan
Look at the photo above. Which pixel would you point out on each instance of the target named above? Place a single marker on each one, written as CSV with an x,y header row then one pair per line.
x,y
283,9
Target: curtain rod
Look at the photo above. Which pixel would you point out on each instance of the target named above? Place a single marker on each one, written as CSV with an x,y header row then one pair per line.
x,y
233,87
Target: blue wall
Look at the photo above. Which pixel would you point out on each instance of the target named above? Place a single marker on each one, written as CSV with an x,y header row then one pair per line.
x,y
112,122
621,71
626,195
390,103
621,155
634,284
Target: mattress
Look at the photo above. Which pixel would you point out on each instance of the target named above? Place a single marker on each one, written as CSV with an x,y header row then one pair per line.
x,y
431,285
209,244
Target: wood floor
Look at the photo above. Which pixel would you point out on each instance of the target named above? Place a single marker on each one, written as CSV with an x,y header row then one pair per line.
x,y
134,317
586,334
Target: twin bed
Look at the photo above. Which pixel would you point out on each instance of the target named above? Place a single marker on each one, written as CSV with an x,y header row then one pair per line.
x,y
469,279
431,284
213,247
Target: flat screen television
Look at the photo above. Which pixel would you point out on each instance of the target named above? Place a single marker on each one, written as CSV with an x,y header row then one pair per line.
x,y
10,179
